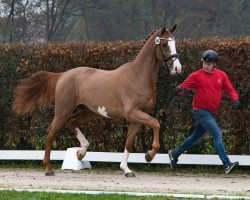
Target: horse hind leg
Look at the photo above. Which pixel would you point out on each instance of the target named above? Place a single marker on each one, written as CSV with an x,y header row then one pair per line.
x,y
133,129
54,127
84,144
74,122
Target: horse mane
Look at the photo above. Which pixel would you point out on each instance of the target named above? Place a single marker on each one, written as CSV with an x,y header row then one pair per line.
x,y
143,43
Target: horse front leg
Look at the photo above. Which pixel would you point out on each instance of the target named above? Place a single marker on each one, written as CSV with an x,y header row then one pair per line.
x,y
143,118
149,156
132,131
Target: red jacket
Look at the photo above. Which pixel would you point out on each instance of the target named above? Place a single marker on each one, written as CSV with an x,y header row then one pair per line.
x,y
208,89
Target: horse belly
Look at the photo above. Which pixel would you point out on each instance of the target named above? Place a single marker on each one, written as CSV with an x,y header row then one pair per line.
x,y
102,101
106,108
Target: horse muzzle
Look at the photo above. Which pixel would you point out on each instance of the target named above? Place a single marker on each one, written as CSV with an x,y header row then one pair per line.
x,y
175,66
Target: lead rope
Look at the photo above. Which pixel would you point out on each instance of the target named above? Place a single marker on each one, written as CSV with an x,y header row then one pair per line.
x,y
175,95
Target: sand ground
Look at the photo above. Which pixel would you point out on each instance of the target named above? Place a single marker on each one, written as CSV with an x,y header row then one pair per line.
x,y
155,182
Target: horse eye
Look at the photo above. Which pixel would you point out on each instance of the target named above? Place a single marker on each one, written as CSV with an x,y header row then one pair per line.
x,y
164,45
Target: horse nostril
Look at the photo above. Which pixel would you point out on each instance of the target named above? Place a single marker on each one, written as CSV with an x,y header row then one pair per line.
x,y
175,69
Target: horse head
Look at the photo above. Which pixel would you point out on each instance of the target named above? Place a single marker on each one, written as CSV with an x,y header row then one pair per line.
x,y
166,51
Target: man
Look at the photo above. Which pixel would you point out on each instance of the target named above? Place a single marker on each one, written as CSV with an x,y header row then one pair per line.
x,y
208,84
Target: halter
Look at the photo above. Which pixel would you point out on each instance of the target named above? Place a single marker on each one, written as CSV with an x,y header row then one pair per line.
x,y
165,59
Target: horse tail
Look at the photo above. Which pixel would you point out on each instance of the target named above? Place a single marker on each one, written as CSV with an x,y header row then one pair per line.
x,y
39,89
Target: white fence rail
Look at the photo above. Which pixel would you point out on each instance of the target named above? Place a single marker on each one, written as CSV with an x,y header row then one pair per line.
x,y
194,159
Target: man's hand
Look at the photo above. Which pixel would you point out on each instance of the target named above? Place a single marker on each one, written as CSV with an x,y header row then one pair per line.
x,y
177,90
237,104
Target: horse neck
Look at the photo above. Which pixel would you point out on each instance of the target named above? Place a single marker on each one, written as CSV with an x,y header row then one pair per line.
x,y
145,64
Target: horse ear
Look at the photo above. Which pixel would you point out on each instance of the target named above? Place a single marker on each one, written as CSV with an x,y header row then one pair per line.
x,y
163,30
172,29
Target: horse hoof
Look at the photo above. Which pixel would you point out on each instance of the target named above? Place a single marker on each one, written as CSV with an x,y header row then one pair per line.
x,y
130,174
79,155
50,173
148,158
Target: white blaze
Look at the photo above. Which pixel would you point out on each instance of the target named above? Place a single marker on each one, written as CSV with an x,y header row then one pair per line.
x,y
176,64
171,44
102,111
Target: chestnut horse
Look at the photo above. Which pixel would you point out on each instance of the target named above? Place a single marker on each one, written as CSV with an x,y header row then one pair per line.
x,y
127,92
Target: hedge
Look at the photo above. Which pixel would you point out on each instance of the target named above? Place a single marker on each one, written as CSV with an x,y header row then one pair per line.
x,y
19,60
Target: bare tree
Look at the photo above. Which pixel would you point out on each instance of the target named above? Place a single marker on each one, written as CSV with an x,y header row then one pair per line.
x,y
16,20
8,30
24,21
76,20
57,13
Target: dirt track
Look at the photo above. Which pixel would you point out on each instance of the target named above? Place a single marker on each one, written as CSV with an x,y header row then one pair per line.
x,y
116,181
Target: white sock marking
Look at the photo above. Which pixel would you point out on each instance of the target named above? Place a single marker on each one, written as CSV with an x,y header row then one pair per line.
x,y
124,163
83,141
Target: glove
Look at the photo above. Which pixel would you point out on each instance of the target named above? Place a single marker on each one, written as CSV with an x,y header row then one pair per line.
x,y
237,104
177,90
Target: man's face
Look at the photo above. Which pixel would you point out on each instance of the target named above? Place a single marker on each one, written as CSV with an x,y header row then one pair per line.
x,y
208,67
